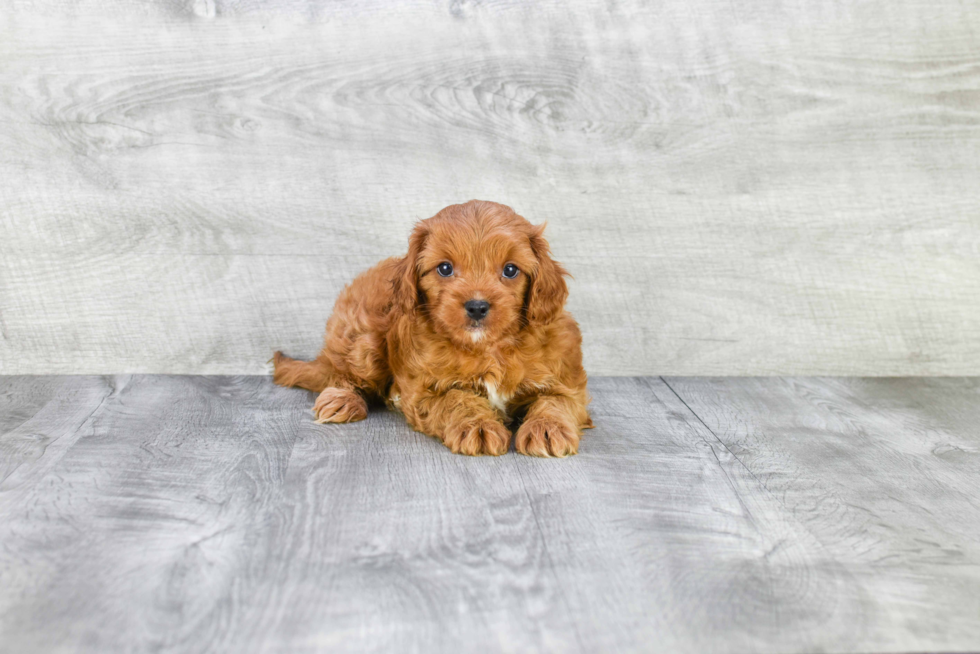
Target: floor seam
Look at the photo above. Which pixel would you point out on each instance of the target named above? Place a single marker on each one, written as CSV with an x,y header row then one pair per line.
x,y
789,512
710,430
735,456
113,390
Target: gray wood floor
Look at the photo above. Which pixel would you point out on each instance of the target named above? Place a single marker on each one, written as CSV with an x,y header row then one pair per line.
x,y
156,513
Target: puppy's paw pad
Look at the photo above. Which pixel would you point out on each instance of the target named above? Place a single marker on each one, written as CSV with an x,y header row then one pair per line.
x,y
339,405
546,436
478,437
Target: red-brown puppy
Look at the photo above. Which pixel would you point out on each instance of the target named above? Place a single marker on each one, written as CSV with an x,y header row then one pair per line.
x,y
463,334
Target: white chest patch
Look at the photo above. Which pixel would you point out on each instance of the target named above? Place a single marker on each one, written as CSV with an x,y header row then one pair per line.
x,y
497,400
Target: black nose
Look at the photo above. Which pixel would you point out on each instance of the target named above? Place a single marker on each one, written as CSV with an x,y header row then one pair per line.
x,y
477,309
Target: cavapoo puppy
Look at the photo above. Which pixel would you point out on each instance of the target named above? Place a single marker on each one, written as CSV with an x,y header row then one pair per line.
x,y
463,335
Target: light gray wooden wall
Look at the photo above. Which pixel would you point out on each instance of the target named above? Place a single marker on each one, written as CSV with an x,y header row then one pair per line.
x,y
739,187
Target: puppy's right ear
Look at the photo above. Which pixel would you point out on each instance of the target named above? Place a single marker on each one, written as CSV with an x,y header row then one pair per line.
x,y
548,291
406,288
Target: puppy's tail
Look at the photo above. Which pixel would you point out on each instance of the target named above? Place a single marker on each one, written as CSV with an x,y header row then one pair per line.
x,y
311,375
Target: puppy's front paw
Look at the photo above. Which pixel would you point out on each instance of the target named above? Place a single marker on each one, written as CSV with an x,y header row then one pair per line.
x,y
476,437
546,436
339,405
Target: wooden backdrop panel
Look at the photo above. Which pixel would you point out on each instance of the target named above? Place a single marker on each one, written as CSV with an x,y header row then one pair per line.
x,y
737,188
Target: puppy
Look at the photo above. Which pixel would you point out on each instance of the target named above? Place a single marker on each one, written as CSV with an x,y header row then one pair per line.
x,y
464,335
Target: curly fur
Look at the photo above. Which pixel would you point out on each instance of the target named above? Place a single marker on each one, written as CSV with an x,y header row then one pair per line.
x,y
399,333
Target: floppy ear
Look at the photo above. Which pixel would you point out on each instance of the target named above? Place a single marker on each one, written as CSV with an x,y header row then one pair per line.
x,y
406,285
548,291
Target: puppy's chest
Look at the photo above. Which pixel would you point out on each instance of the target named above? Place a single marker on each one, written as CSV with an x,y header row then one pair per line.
x,y
501,386
499,376
499,397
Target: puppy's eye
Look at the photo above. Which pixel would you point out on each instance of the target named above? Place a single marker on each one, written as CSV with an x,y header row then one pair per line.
x,y
511,271
445,269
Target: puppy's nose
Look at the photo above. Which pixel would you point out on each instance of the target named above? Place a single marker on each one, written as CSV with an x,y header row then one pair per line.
x,y
477,309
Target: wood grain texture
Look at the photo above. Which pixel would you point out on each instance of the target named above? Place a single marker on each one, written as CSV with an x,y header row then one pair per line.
x,y
210,514
139,538
40,419
737,189
883,473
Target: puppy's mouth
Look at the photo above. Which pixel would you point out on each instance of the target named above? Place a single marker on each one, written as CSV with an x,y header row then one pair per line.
x,y
476,330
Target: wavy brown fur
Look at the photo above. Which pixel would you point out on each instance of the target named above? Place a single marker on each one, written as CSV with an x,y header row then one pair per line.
x,y
399,333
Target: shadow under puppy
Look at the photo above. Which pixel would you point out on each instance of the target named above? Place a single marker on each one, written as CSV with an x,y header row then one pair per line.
x,y
464,334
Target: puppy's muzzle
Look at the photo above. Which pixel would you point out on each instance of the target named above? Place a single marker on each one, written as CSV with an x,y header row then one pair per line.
x,y
477,309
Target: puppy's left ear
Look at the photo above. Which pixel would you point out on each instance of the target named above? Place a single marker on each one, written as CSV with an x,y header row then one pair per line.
x,y
548,291
406,288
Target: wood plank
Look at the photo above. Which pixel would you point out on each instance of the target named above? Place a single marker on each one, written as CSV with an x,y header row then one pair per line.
x,y
663,540
136,538
21,397
883,473
736,191
40,420
212,514
653,534
390,541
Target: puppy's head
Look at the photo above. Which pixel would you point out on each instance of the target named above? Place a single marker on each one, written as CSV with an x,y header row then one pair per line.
x,y
478,271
